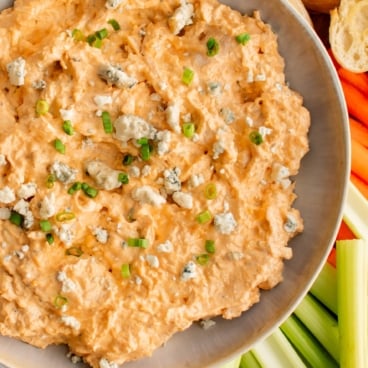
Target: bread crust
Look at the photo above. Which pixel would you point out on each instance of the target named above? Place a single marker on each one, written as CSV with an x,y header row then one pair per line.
x,y
321,6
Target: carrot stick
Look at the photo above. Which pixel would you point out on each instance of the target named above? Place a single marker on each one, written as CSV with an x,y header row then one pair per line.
x,y
359,160
356,102
359,132
360,184
333,59
344,232
331,259
358,80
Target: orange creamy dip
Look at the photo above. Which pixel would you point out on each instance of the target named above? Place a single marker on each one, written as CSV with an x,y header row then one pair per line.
x,y
114,269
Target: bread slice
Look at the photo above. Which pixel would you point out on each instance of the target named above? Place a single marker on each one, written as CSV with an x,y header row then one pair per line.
x,y
348,34
321,6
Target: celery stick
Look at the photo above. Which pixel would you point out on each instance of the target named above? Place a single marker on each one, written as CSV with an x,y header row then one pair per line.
x,y
355,212
325,287
277,352
321,323
306,344
233,363
248,360
352,301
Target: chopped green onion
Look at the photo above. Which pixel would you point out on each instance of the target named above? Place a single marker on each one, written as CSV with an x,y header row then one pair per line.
x,y
45,226
137,242
50,238
187,76
77,34
75,187
352,300
242,38
203,259
16,218
60,301
188,130
145,151
142,141
68,127
89,191
50,181
65,216
123,178
256,137
204,217
114,24
212,47
74,251
94,41
210,246
102,33
125,270
42,107
106,121
210,191
59,146
128,159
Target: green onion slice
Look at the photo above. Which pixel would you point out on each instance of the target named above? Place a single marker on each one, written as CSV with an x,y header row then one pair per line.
x,y
50,181
42,107
145,152
187,76
204,217
203,259
125,270
60,301
137,242
16,218
256,137
59,146
89,191
75,187
50,238
114,24
68,127
188,130
128,159
242,38
45,226
210,246
142,141
123,178
213,47
77,34
210,191
102,33
106,121
74,251
65,216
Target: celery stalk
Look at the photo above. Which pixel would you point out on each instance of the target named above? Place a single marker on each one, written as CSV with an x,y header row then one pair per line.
x,y
248,360
321,323
355,212
232,364
325,287
352,297
277,352
306,344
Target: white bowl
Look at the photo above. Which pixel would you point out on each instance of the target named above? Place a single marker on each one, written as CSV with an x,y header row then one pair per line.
x,y
321,188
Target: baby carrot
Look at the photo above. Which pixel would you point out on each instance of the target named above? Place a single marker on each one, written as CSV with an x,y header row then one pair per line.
x,y
359,159
356,102
360,184
344,232
359,132
334,61
358,80
331,259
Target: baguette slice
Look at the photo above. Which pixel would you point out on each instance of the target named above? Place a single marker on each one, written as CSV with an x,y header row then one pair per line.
x,y
348,34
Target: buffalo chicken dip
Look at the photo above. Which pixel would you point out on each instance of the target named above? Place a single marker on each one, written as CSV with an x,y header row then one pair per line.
x,y
146,155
